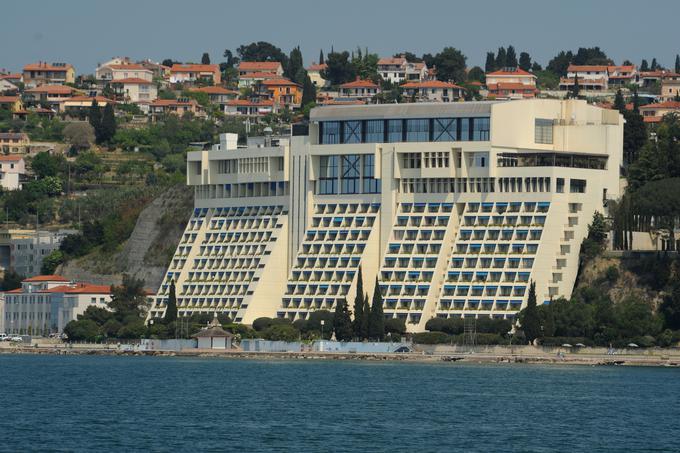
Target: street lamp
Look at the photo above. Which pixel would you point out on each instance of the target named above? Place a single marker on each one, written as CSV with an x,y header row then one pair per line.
x,y
322,324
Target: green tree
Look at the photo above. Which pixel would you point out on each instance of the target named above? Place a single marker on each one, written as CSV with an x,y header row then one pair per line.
x,y
205,58
321,60
366,319
95,119
490,64
511,57
476,74
82,330
342,322
11,280
525,61
97,314
501,58
377,317
644,66
108,124
559,64
591,56
171,309
634,133
395,326
670,307
308,91
619,101
79,135
450,64
575,89
677,64
51,262
339,68
45,164
359,306
281,332
262,51
655,65
128,299
295,65
530,320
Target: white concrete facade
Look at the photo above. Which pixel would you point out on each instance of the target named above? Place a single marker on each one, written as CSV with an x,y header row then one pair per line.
x,y
453,208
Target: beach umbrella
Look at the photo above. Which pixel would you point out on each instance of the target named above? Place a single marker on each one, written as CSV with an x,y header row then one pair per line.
x,y
580,345
632,345
566,345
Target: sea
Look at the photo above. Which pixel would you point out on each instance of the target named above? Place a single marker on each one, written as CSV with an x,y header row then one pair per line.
x,y
166,404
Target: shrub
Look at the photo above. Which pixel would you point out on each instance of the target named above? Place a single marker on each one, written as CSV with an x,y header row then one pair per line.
x,y
612,274
431,338
82,330
281,332
395,326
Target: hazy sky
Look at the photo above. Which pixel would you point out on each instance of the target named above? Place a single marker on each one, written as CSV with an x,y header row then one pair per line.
x,y
87,32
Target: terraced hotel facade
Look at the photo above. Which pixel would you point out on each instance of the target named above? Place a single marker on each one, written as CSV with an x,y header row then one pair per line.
x,y
452,208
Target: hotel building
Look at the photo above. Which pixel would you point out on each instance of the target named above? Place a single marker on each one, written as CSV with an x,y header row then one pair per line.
x,y
452,208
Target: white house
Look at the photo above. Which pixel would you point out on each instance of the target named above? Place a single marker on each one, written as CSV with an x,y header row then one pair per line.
x,y
399,70
12,169
432,91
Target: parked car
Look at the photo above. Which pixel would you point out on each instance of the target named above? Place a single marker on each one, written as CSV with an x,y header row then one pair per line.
x,y
4,337
17,339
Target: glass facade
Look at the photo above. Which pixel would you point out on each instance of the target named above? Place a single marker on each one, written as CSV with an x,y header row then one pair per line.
x,y
349,183
370,184
328,178
347,174
404,130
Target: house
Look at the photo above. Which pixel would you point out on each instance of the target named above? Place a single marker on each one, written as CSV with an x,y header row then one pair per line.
x,y
158,70
7,87
511,83
134,90
250,67
74,104
670,86
46,303
654,113
432,91
285,93
590,77
218,95
359,89
314,73
191,73
648,79
214,336
251,79
622,75
12,168
13,78
14,143
42,73
49,96
11,103
249,107
179,107
398,70
112,72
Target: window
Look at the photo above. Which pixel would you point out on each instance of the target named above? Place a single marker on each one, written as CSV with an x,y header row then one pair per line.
x,y
417,130
480,129
330,132
370,184
577,185
349,182
445,129
329,175
352,132
412,160
543,131
394,131
375,131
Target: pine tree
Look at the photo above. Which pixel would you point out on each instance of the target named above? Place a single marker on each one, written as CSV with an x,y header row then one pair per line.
x,y
524,61
531,322
490,65
342,322
366,319
321,60
294,64
108,124
619,102
359,306
377,323
677,64
644,66
95,119
205,59
511,57
171,309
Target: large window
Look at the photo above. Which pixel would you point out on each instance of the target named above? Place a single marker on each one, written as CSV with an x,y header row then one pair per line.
x,y
445,129
352,132
329,175
371,185
418,130
349,183
465,129
543,131
330,132
375,131
480,129
394,131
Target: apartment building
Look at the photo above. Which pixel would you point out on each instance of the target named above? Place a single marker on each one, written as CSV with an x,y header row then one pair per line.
x,y
619,76
49,96
192,73
42,73
654,113
454,208
179,107
12,168
285,93
670,86
14,143
250,107
511,83
46,303
362,90
23,250
398,70
432,91
590,77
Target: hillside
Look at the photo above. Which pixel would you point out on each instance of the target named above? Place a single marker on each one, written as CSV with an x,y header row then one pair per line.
x,y
148,251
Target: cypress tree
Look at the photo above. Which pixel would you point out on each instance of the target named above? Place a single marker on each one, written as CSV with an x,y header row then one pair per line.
x,y
501,58
619,102
576,89
655,65
490,64
342,322
108,124
171,309
321,60
511,57
677,63
377,323
308,90
205,59
359,306
525,61
644,66
95,119
531,322
366,319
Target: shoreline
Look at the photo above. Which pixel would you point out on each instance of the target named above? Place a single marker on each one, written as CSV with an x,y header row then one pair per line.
x,y
583,359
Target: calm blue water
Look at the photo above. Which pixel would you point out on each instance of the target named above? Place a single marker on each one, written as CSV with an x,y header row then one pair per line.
x,y
89,403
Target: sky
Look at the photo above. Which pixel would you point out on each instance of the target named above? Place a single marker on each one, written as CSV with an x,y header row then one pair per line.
x,y
85,33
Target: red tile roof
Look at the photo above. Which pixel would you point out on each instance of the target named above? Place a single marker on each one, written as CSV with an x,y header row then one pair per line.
x,y
46,278
510,86
169,102
317,67
247,103
431,84
133,81
42,66
264,66
359,84
8,99
392,61
99,99
81,288
587,68
215,90
10,158
260,75
510,72
279,82
195,68
662,105
343,102
131,66
10,76
51,89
